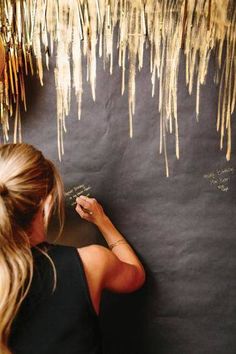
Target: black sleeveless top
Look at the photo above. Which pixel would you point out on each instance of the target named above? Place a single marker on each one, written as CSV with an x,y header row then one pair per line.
x,y
63,322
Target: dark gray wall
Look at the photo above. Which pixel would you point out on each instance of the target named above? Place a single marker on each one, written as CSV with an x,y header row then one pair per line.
x,y
183,227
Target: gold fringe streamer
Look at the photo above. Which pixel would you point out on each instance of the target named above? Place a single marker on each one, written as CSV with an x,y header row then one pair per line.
x,y
77,28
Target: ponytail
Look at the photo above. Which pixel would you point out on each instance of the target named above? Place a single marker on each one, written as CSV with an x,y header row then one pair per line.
x,y
15,274
26,178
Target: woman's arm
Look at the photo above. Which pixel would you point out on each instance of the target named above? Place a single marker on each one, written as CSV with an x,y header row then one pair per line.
x,y
119,269
130,274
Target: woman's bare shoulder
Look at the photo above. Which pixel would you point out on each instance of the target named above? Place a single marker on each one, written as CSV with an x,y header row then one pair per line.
x,y
94,255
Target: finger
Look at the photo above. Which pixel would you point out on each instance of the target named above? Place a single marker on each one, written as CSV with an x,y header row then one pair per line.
x,y
90,212
84,198
83,202
88,199
83,214
80,210
84,210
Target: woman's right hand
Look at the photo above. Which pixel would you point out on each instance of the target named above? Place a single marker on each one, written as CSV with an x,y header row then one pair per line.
x,y
117,269
90,210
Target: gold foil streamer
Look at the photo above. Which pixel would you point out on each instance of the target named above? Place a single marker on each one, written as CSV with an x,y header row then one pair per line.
x,y
77,28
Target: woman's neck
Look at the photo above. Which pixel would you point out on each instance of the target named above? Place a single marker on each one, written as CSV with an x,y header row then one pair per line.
x,y
37,230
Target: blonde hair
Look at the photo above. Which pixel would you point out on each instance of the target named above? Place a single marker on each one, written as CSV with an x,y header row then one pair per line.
x,y
26,179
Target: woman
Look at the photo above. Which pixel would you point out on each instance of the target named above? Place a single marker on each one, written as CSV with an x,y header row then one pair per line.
x,y
50,294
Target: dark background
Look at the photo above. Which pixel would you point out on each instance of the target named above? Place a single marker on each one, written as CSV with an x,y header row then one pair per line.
x,y
183,227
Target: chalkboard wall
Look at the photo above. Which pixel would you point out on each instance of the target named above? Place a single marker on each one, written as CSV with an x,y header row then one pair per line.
x,y
183,227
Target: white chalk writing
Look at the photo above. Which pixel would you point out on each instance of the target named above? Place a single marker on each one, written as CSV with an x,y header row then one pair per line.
x,y
220,178
75,192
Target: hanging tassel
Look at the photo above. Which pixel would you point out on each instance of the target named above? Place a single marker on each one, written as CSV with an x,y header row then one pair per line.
x,y
32,28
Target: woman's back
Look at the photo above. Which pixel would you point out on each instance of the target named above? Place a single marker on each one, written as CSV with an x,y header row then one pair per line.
x,y
64,321
60,322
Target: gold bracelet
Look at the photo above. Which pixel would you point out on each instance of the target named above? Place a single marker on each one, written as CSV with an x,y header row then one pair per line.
x,y
114,244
